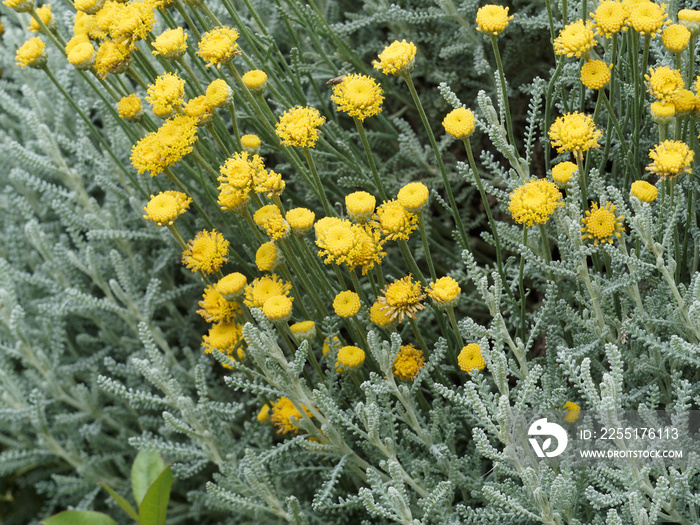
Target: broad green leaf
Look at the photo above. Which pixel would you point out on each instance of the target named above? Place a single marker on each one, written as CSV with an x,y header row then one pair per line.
x,y
123,503
146,468
79,517
155,503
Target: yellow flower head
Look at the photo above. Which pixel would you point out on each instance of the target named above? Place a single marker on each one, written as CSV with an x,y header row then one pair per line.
x,y
20,6
380,317
534,202
394,221
402,298
676,37
262,288
359,96
459,123
255,80
690,18
648,18
278,308
298,126
444,292
207,252
397,58
663,82
264,414
670,158
684,101
562,172
574,132
267,257
198,108
272,185
167,206
232,198
171,43
492,19
215,308
662,112
644,191
251,143
218,93
269,219
89,6
304,330
166,94
231,285
243,171
285,415
349,358
470,358
572,411
360,205
575,40
335,242
86,25
610,18
367,250
218,46
601,224
32,53
164,147
225,337
82,56
112,57
413,197
346,304
595,74
44,14
408,362
131,21
301,220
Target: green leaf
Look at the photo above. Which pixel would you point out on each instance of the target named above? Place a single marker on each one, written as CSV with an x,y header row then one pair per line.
x,y
123,503
155,503
79,517
146,468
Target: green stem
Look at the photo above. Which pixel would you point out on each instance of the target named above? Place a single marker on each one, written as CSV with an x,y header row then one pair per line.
x,y
370,159
426,246
506,105
317,180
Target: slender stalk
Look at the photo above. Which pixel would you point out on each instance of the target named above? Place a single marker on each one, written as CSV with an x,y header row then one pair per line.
x,y
426,246
453,321
506,104
370,158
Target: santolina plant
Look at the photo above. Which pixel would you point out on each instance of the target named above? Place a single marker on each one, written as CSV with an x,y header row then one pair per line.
x,y
265,245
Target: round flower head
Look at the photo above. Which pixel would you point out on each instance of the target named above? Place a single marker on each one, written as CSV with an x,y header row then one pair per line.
x,y
573,411
346,304
413,197
301,220
676,37
251,143
534,202
670,158
82,56
20,6
459,123
574,132
198,108
349,358
44,14
262,288
663,82
394,221
218,46
562,172
166,94
380,317
112,57
285,416
231,285
218,93
269,219
225,337
662,112
402,298
492,19
32,53
278,308
575,40
397,58
684,101
335,242
243,171
167,206
644,191
408,362
298,126
470,358
610,18
89,6
207,252
267,258
304,330
360,205
595,74
171,43
164,147
232,198
444,292
648,18
601,224
255,80
215,307
359,96
690,18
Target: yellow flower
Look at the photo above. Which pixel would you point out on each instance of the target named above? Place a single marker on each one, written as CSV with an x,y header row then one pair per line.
x,y
648,18
676,37
534,202
670,158
285,415
269,219
349,358
610,18
663,82
492,19
272,185
32,53
684,101
218,93
336,242
380,317
231,285
206,252
198,108
20,6
402,298
225,337
662,112
408,362
218,46
346,304
112,57
166,94
562,172
304,330
360,205
444,292
82,56
167,206
690,18
264,414
262,288
86,25
459,123
572,411
601,224
644,191
575,40
574,132
164,147
278,308
251,143
413,197
367,250
397,58
243,171
470,358
359,96
88,6
171,43
255,80
301,220
44,14
298,126
130,22
215,308
595,74
232,198
394,221
267,258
